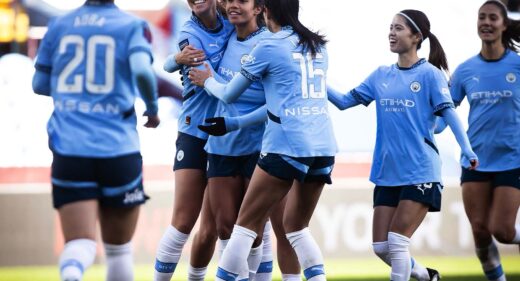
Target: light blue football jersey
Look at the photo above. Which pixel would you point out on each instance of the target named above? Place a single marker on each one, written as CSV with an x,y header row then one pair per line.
x,y
407,100
493,92
197,105
86,52
246,140
296,96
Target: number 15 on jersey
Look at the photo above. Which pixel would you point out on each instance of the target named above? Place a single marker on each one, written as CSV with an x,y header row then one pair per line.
x,y
311,76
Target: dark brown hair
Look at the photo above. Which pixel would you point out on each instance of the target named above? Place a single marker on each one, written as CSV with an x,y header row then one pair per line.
x,y
437,55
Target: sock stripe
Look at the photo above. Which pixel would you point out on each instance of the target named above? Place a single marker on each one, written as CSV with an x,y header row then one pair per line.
x,y
495,273
265,267
72,262
314,271
164,267
226,275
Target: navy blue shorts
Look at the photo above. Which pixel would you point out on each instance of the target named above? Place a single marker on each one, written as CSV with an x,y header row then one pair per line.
x,y
230,166
115,182
302,169
429,194
190,153
502,178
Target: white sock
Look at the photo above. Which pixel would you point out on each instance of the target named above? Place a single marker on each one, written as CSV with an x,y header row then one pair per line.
x,y
222,246
490,261
400,256
196,273
76,257
265,270
169,253
291,277
253,260
516,240
234,259
309,254
419,272
120,265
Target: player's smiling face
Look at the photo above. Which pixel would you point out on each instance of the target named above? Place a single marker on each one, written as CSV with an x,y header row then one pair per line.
x,y
241,11
401,38
201,6
490,23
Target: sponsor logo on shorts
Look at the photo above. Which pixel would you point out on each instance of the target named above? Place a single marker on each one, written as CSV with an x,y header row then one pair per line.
x,y
133,197
423,187
262,155
180,155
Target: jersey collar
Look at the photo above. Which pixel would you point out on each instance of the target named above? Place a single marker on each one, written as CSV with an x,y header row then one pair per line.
x,y
220,23
253,34
506,52
419,62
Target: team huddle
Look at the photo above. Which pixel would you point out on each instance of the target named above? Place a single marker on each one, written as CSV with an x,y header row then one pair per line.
x,y
255,143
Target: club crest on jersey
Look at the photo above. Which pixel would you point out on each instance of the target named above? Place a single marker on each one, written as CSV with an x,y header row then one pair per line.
x,y
246,59
180,155
415,87
511,77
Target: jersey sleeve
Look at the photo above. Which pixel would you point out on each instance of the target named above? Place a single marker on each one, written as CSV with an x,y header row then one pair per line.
x,y
457,87
186,38
257,63
364,93
141,39
440,97
46,49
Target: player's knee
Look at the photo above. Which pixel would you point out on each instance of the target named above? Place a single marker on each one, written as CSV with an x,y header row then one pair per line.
x,y
292,224
503,233
207,234
480,229
224,230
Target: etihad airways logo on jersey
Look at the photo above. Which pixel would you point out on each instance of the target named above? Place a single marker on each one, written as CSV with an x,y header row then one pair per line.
x,y
306,110
227,72
86,107
491,97
397,102
396,105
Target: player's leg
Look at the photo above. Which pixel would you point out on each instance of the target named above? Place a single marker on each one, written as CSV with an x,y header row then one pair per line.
x,y
263,193
287,259
74,193
121,181
203,244
190,183
477,195
506,200
386,200
301,202
415,202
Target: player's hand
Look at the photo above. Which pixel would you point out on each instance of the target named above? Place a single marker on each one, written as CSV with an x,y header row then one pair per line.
x,y
474,164
190,56
198,77
216,127
153,121
473,159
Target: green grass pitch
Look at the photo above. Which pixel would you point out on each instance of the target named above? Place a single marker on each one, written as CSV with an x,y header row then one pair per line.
x,y
451,268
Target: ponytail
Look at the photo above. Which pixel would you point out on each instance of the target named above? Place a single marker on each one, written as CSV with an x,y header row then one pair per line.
x,y
419,23
437,55
285,13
